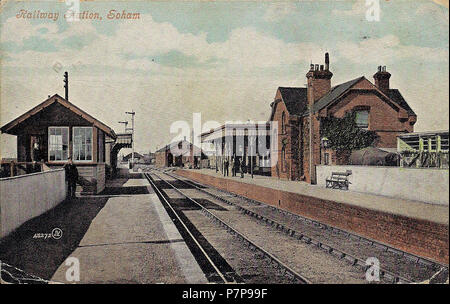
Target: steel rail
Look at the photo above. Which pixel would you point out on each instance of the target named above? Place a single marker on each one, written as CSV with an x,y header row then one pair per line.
x,y
210,261
241,237
301,236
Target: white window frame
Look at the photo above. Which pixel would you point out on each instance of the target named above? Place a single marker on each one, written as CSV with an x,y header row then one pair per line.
x,y
368,119
48,143
73,146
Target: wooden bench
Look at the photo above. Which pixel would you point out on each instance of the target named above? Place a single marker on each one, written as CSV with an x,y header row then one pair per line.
x,y
339,180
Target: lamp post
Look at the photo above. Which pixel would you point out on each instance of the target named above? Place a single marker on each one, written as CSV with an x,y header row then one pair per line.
x,y
132,113
325,142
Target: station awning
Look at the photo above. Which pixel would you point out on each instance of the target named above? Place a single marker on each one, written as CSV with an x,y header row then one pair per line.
x,y
236,130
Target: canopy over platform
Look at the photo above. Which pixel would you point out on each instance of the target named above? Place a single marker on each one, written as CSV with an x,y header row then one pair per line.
x,y
244,129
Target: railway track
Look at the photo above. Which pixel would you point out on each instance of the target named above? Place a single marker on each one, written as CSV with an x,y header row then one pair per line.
x,y
259,264
398,266
309,261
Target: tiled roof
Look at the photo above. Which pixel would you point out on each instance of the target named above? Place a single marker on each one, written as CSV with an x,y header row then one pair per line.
x,y
9,127
396,96
334,93
174,144
295,100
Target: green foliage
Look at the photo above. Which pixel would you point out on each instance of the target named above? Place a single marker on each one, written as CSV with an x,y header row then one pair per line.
x,y
344,135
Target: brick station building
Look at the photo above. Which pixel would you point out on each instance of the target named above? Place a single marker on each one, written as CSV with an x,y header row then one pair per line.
x,y
378,108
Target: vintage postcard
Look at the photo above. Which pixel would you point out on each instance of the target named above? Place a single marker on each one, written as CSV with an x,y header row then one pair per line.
x,y
204,143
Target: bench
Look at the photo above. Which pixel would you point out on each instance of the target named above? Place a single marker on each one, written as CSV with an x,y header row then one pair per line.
x,y
339,180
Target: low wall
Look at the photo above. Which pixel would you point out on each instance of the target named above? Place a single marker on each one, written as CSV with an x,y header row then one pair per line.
x,y
427,185
416,236
27,196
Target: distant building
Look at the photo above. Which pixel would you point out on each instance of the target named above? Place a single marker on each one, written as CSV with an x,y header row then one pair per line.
x,y
424,149
247,142
149,158
300,110
57,129
137,157
179,154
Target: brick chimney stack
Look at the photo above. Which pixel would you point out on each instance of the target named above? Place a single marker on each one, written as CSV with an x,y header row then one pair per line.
x,y
319,80
382,78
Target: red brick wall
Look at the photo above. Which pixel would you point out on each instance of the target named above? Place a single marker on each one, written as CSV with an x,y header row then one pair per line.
x,y
309,175
382,117
416,236
287,168
320,83
160,159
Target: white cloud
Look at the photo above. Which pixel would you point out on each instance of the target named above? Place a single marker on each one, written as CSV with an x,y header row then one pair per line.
x,y
246,48
234,89
358,9
16,30
388,49
278,10
426,9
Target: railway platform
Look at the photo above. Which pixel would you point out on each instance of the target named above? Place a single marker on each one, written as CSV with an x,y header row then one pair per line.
x,y
416,227
414,209
132,240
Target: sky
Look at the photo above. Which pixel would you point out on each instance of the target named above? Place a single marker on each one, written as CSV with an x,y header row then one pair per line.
x,y
222,59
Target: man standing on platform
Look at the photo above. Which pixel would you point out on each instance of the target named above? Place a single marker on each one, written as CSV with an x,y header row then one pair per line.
x,y
227,165
232,165
235,165
71,177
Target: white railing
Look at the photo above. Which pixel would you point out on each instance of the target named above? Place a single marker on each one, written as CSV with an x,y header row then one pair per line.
x,y
24,197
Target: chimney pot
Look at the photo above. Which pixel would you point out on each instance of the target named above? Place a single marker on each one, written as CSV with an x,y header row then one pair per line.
x,y
319,82
327,61
382,78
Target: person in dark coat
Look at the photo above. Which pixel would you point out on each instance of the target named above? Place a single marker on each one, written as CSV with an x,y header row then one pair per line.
x,y
226,168
71,177
235,165
36,152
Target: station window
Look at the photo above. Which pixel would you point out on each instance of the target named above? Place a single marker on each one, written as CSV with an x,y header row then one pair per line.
x,y
326,159
82,144
362,118
58,143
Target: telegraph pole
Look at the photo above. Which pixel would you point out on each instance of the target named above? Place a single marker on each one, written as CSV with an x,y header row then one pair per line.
x,y
132,113
66,85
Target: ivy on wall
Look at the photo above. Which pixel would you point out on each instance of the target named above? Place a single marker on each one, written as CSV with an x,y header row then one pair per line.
x,y
344,135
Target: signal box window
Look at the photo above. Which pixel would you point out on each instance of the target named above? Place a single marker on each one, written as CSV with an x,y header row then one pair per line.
x,y
82,144
58,143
